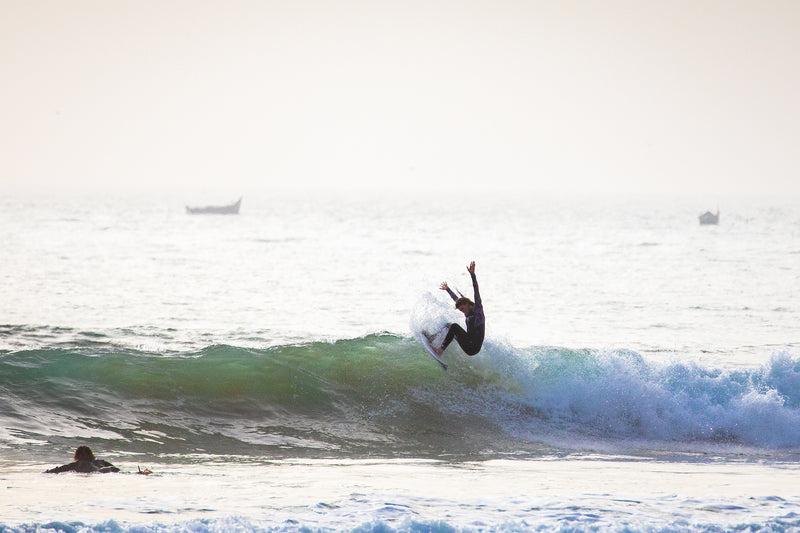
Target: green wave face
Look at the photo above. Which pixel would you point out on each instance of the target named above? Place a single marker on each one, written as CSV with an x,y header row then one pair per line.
x,y
381,395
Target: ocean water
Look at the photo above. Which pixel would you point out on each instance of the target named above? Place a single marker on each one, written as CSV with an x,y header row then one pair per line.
x,y
640,372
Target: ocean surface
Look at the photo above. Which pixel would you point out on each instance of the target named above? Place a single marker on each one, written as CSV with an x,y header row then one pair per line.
x,y
641,372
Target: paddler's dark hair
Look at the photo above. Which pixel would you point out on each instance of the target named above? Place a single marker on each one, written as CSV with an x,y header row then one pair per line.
x,y
83,453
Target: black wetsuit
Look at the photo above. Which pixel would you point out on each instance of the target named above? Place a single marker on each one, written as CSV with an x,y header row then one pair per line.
x,y
472,339
85,467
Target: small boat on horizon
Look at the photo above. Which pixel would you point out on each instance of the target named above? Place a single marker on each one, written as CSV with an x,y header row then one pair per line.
x,y
231,209
709,218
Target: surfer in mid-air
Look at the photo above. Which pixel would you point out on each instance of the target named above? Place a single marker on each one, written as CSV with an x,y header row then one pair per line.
x,y
470,340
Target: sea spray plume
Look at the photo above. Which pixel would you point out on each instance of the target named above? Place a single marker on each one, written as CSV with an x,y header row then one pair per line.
x,y
431,316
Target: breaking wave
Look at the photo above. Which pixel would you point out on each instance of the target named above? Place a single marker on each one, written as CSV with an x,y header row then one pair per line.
x,y
382,396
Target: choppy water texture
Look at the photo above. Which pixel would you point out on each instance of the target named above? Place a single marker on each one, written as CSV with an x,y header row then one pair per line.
x,y
640,371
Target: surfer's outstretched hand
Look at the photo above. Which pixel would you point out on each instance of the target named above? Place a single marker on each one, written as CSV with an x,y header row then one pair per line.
x,y
443,286
471,267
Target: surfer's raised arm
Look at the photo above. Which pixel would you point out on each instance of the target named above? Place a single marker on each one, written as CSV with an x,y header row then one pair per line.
x,y
444,287
475,292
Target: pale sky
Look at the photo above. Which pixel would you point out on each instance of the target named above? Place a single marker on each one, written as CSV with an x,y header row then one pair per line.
x,y
692,96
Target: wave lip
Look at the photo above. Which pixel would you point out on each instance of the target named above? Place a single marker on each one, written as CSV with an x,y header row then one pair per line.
x,y
382,395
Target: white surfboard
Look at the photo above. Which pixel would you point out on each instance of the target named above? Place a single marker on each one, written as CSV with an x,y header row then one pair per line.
x,y
427,344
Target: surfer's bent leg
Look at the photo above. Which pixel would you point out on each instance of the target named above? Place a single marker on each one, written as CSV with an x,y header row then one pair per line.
x,y
457,332
468,344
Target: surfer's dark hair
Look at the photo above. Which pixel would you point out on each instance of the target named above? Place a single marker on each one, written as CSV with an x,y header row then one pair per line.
x,y
83,453
463,300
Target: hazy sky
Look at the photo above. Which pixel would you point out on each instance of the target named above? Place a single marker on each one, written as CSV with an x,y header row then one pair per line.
x,y
697,96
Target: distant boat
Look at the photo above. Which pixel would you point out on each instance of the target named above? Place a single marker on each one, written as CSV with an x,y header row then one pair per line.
x,y
232,209
709,218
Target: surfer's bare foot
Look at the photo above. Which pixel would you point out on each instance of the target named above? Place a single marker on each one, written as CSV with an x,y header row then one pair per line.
x,y
439,351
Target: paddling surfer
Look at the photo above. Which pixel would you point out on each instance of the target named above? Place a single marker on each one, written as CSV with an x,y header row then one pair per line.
x,y
470,340
85,463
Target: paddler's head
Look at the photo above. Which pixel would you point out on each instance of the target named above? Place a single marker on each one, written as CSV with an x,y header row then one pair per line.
x,y
83,453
